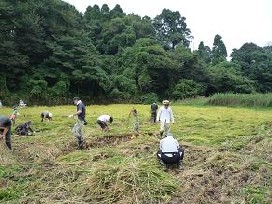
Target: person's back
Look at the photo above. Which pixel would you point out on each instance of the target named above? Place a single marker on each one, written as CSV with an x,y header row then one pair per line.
x,y
81,106
154,107
169,144
46,115
104,118
170,152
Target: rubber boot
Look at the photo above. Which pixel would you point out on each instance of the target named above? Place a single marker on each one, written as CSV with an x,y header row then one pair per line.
x,y
80,144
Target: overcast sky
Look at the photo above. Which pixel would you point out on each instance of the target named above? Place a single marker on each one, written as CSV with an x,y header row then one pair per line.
x,y
237,21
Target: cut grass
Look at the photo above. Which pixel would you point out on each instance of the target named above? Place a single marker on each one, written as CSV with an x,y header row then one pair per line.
x,y
225,149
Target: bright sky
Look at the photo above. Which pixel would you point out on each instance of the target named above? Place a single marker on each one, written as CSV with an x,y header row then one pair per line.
x,y
236,21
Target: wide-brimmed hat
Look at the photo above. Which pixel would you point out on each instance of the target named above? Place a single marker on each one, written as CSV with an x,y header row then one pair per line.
x,y
165,102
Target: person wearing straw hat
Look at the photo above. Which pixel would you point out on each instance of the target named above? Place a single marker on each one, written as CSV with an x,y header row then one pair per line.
x,y
5,130
165,117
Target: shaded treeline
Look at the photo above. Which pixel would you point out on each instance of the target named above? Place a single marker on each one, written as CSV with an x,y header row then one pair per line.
x,y
50,52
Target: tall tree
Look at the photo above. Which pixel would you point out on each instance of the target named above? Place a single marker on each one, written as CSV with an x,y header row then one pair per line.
x,y
171,29
204,52
219,51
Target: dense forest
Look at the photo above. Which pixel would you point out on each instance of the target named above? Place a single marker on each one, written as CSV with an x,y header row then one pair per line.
x,y
50,52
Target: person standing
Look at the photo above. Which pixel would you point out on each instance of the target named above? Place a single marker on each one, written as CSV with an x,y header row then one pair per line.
x,y
78,127
165,117
154,109
134,113
5,130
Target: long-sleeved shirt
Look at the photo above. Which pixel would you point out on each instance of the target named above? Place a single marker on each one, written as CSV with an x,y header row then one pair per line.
x,y
165,115
169,144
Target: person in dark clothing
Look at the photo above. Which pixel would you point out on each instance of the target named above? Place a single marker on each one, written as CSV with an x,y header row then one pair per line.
x,y
78,127
5,130
46,115
154,109
24,129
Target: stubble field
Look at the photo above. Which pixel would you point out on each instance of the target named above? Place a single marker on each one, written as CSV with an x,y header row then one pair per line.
x,y
228,156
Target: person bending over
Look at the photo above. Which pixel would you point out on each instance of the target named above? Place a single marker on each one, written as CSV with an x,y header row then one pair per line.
x,y
104,121
170,152
24,129
45,115
5,130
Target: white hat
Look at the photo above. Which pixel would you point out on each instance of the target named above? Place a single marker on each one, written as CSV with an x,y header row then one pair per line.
x,y
165,102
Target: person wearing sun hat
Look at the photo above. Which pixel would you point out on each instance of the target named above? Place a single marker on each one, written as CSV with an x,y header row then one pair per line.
x,y
165,117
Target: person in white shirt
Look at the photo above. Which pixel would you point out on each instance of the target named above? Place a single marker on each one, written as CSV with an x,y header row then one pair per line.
x,y
165,117
170,152
104,121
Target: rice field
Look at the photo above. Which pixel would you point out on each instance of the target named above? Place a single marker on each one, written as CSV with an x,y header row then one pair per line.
x,y
227,158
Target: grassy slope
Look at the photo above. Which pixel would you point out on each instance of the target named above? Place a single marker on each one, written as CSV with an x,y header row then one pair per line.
x,y
228,159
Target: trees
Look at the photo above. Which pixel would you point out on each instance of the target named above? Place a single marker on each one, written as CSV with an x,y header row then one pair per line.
x,y
226,77
219,51
204,52
49,52
171,29
256,64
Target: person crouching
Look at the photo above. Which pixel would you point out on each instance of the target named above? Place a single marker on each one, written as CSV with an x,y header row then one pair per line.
x,y
46,115
24,129
170,152
104,121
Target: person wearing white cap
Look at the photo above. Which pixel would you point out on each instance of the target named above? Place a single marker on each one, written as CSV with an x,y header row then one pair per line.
x,y
170,152
165,117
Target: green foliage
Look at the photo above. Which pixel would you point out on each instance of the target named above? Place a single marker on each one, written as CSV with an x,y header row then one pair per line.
x,y
149,98
256,64
247,100
187,89
50,52
171,29
225,77
204,52
219,51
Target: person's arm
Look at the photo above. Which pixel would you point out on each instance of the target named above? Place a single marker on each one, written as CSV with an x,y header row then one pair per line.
x,y
4,132
78,112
